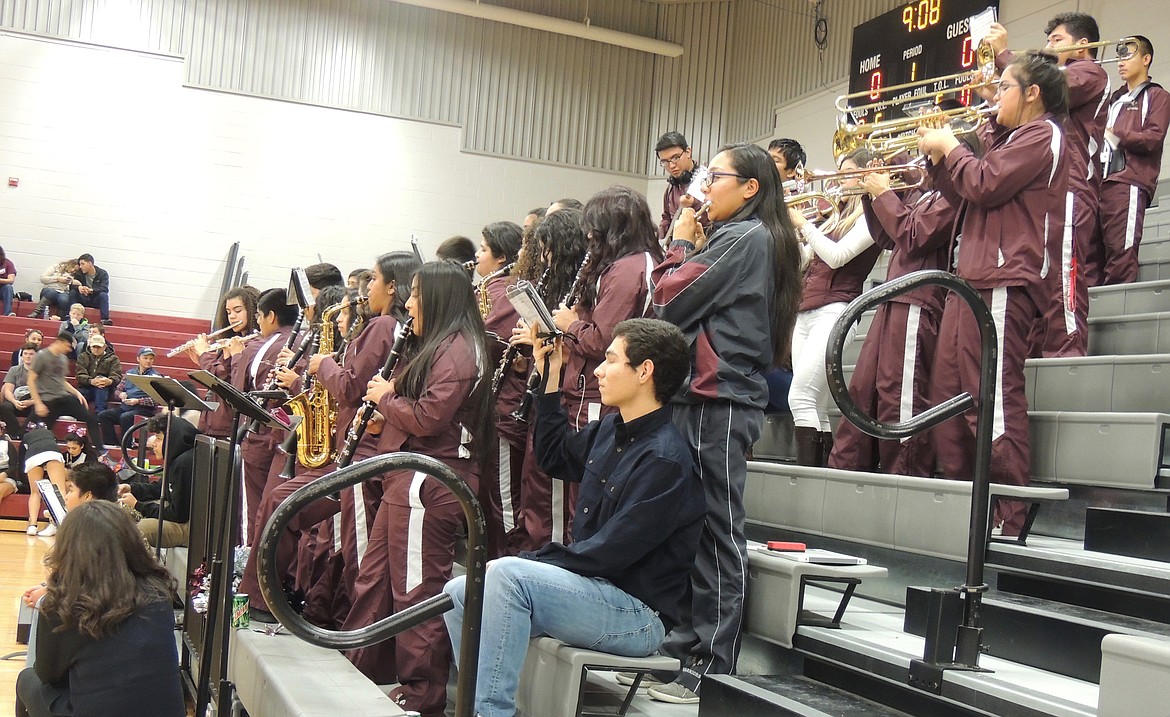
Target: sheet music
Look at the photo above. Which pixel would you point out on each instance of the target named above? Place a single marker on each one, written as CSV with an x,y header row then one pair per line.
x,y
981,25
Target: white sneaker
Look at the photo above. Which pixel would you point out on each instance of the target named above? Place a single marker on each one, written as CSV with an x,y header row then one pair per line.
x,y
673,693
32,530
627,679
49,531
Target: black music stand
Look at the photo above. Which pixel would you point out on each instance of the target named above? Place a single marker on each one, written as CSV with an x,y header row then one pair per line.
x,y
219,601
174,395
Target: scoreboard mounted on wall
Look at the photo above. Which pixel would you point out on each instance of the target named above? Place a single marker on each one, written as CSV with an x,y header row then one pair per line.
x,y
917,41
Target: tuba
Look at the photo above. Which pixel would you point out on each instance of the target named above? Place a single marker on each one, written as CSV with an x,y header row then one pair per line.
x,y
317,409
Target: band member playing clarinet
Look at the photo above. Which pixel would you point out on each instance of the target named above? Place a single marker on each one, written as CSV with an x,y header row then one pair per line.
x,y
250,369
346,381
437,404
1013,203
717,291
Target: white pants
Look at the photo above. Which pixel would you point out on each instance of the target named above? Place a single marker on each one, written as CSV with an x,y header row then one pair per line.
x,y
808,398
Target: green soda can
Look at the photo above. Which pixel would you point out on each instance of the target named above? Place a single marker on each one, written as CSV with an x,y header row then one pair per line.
x,y
241,620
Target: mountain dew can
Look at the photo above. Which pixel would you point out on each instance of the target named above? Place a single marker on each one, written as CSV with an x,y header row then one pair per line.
x,y
241,620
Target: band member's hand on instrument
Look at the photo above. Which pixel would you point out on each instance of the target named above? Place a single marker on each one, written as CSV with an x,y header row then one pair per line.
x,y
797,217
377,388
376,424
285,378
520,363
687,227
686,200
564,317
234,346
284,356
937,143
555,353
876,183
997,38
315,363
523,335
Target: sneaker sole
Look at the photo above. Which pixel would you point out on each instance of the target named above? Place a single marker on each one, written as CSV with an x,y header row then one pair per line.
x,y
647,682
662,697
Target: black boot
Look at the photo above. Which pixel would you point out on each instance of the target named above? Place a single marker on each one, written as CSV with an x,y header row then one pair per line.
x,y
808,446
826,446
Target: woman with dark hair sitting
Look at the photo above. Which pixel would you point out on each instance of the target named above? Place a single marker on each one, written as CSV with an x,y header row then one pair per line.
x,y
106,643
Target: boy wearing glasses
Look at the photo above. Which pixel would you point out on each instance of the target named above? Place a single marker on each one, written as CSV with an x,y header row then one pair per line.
x,y
1131,158
674,154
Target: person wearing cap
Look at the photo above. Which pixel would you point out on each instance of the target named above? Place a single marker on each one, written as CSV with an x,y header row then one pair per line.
x,y
98,371
134,401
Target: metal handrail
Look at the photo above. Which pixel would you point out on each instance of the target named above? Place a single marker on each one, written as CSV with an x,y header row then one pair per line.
x,y
331,484
967,654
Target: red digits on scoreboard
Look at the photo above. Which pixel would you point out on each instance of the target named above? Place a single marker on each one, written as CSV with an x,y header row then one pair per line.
x,y
875,85
968,56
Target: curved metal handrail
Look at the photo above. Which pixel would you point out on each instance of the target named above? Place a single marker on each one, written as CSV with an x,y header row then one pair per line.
x,y
974,584
331,484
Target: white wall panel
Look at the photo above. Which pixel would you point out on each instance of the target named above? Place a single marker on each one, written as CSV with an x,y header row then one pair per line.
x,y
117,157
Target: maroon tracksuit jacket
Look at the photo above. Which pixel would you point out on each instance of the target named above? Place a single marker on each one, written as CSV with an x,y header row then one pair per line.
x,y
217,423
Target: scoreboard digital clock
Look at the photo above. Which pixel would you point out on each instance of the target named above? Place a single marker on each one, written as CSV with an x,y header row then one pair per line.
x,y
918,41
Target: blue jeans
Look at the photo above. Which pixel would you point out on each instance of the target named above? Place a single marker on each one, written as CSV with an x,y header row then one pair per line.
x,y
525,599
6,298
97,397
99,300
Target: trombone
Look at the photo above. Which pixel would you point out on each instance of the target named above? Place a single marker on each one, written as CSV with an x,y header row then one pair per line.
x,y
1121,49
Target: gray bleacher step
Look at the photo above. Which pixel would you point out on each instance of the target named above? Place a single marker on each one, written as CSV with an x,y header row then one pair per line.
x,y
1126,299
1062,569
1119,450
1133,533
1147,333
1124,384
1049,635
1154,270
783,696
875,647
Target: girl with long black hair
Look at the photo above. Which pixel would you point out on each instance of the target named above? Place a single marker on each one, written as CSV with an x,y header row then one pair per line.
x,y
717,290
438,404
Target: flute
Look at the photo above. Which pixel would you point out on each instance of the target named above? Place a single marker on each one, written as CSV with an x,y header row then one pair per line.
x,y
188,344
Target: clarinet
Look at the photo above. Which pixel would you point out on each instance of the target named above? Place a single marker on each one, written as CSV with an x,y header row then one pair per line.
x,y
270,382
512,350
521,412
358,428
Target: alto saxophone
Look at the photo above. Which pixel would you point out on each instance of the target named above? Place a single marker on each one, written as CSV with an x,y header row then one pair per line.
x,y
316,407
485,299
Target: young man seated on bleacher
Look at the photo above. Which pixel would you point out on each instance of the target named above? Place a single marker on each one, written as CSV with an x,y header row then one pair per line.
x,y
98,372
134,401
17,399
90,286
617,587
142,494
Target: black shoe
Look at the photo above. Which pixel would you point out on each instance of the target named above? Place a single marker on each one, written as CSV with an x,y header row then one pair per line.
x,y
107,322
261,616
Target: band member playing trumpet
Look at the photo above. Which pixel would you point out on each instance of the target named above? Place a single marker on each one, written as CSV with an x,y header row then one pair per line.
x,y
1075,257
500,485
237,313
1013,205
891,377
438,404
560,243
840,254
716,291
1138,116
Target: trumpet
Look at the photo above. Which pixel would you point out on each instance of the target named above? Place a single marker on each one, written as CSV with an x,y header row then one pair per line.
x,y
188,344
890,137
809,205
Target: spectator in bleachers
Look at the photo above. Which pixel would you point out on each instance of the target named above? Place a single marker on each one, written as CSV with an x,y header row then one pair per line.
x,y
42,459
7,278
97,328
91,287
77,325
134,401
55,295
52,395
17,398
143,495
98,371
78,449
31,336
107,638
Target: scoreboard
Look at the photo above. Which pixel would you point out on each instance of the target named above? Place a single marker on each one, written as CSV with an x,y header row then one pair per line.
x,y
920,40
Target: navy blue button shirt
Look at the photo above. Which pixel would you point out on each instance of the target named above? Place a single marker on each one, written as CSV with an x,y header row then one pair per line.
x,y
640,507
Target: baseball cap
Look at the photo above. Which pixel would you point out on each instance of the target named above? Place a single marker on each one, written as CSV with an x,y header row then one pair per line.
x,y
97,341
145,350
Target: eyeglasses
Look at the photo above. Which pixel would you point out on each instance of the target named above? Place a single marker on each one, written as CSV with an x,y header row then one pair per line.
x,y
712,176
672,160
1004,86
